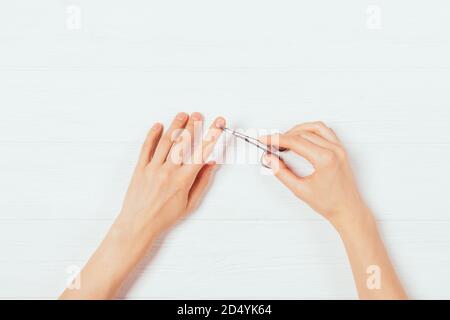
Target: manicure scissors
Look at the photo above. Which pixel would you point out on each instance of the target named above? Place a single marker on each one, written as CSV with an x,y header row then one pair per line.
x,y
253,141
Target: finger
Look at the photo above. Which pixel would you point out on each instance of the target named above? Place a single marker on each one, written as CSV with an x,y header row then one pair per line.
x,y
318,140
177,151
169,136
204,150
200,185
311,152
318,128
182,148
212,136
294,183
150,144
194,129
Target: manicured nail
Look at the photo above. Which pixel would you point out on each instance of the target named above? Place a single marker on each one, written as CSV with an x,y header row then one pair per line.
x,y
156,126
213,165
197,116
182,116
281,149
220,123
268,159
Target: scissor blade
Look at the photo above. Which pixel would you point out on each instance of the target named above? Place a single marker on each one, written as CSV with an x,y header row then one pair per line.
x,y
248,139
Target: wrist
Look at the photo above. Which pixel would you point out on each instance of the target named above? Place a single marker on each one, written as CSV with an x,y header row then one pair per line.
x,y
353,219
118,254
130,237
121,251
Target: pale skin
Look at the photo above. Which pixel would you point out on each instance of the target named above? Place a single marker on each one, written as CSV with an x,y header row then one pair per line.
x,y
332,191
171,178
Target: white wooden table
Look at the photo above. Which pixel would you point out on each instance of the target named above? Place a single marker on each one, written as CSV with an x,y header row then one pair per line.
x,y
82,81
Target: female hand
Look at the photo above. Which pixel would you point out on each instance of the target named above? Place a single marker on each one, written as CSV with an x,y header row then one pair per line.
x,y
168,182
331,190
171,175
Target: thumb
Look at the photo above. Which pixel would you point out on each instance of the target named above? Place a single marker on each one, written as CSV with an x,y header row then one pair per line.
x,y
279,168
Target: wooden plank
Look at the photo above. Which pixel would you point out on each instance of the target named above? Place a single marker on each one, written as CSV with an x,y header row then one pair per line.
x,y
201,259
88,181
77,103
99,106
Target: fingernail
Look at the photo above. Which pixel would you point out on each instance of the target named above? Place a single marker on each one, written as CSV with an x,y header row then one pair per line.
x,y
281,149
182,116
268,159
156,126
220,123
213,166
196,116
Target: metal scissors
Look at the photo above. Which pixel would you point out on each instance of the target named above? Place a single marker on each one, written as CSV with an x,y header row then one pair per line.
x,y
253,141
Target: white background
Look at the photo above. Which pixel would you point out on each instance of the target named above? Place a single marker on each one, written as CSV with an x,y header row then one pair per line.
x,y
77,102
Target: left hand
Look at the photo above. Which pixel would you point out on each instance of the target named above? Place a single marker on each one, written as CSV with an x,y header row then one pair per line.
x,y
168,182
170,177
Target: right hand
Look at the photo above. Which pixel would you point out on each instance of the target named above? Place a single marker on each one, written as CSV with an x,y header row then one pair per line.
x,y
331,190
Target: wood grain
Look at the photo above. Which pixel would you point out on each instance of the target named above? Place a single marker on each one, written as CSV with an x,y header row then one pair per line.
x,y
76,104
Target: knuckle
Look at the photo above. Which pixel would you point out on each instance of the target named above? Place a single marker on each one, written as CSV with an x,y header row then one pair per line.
x,y
167,137
284,138
329,157
210,139
170,137
308,135
341,153
187,136
176,134
297,140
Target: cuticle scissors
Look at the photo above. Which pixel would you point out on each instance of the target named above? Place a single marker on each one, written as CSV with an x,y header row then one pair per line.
x,y
253,141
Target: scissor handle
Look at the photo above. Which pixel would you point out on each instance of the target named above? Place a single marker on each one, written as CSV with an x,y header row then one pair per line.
x,y
262,160
266,149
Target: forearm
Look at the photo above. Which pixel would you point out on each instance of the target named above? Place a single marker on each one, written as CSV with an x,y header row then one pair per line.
x,y
112,262
374,274
161,191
